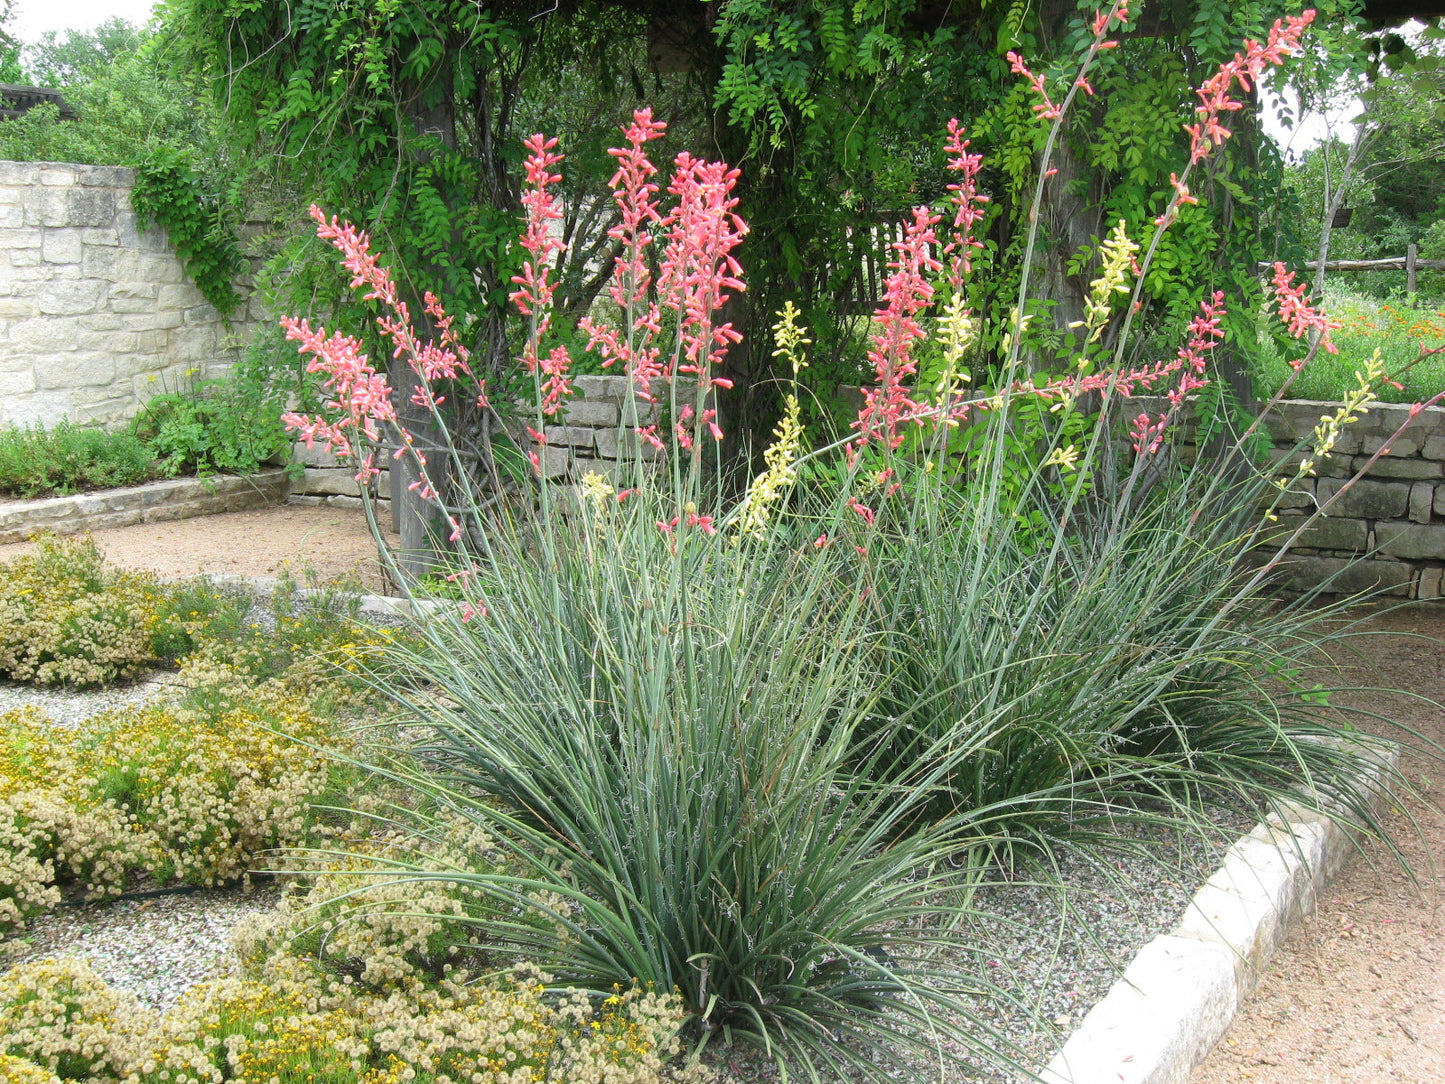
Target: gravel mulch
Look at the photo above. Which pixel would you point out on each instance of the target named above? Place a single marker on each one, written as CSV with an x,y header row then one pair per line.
x,y
157,948
71,707
1055,950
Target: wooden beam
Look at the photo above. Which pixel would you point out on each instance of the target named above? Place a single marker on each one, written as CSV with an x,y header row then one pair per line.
x,y
1394,263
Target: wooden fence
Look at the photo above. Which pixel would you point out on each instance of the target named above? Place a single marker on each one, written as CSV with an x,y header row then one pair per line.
x,y
1410,263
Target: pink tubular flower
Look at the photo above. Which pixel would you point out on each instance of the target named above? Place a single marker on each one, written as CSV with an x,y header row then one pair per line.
x,y
1147,434
907,293
1297,314
864,512
361,395
1244,69
535,288
635,194
1045,107
968,204
1205,332
703,522
697,274
698,267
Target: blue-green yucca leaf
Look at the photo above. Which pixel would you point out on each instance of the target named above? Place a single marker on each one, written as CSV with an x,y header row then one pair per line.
x,y
667,735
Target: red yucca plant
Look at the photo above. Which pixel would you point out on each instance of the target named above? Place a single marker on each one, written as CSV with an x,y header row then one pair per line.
x,y
752,756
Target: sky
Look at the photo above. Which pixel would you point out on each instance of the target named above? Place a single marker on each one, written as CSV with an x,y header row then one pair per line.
x,y
34,17
1312,128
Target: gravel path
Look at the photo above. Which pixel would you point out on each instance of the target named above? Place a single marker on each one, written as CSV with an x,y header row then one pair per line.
x,y
1357,995
157,948
71,707
326,541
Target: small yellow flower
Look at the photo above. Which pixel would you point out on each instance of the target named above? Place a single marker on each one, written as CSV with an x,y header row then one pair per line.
x,y
1067,458
779,456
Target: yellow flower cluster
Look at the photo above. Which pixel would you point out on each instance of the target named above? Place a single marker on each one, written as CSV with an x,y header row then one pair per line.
x,y
779,457
157,789
1116,274
59,1018
387,911
65,618
15,1070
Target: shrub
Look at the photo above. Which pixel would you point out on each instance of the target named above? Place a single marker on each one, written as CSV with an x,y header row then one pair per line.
x,y
40,462
230,425
172,793
59,1014
65,618
358,918
762,751
71,619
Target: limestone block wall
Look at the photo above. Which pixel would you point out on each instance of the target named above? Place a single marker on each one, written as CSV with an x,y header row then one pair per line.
x,y
95,314
1395,514
589,435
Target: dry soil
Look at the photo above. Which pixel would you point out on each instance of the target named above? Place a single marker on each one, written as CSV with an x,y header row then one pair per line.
x,y
1358,993
328,542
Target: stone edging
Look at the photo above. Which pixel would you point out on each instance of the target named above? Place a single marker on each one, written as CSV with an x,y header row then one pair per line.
x,y
155,502
1182,990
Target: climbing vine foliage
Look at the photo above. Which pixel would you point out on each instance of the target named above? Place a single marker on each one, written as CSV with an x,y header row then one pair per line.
x,y
396,114
169,192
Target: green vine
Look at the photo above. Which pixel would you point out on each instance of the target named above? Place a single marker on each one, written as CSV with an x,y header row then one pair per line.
x,y
169,192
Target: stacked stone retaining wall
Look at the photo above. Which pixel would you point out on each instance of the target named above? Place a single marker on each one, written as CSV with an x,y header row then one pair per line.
x,y
96,315
155,502
1394,517
588,436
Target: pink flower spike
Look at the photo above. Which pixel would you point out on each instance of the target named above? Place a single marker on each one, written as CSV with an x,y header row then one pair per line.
x,y
907,293
1244,70
705,522
1297,314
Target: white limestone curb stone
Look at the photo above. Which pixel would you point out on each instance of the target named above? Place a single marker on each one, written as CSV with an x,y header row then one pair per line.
x,y
1180,993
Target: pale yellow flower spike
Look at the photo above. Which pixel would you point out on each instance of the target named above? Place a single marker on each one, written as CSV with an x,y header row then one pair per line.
x,y
1327,433
957,331
768,487
1117,271
1067,458
597,489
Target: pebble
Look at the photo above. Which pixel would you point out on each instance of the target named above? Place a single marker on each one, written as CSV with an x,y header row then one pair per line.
x,y
156,948
71,707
